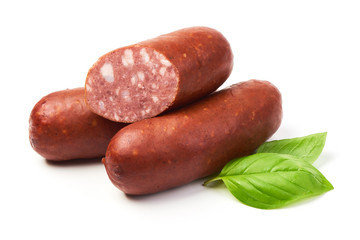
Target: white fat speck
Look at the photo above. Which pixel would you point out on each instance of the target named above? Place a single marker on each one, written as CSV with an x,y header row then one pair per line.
x,y
116,117
153,85
88,87
101,105
155,99
133,80
148,110
173,73
107,72
163,60
142,113
117,91
162,71
153,71
140,85
157,55
126,118
111,99
89,80
144,55
126,95
141,76
127,59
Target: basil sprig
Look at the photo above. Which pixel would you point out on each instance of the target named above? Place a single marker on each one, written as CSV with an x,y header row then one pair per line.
x,y
279,173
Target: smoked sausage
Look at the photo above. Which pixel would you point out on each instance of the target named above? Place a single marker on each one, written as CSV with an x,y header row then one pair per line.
x,y
61,127
145,79
194,141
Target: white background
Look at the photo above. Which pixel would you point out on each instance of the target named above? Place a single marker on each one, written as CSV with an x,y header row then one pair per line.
x,y
309,49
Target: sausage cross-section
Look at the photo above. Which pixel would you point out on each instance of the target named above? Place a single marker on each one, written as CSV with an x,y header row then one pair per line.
x,y
194,141
145,79
62,127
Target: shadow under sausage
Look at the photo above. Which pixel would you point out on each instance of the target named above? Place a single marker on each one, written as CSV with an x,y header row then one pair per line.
x,y
180,192
75,162
167,195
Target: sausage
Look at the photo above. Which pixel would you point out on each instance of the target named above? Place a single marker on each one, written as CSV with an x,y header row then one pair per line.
x,y
145,79
61,127
194,141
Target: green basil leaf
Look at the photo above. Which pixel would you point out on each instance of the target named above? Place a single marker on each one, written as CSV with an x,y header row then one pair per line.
x,y
271,180
307,148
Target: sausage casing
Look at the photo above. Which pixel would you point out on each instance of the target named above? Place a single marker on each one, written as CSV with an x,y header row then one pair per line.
x,y
195,141
61,127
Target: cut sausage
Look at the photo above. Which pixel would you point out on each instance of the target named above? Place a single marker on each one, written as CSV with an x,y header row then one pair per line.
x,y
143,80
195,141
62,127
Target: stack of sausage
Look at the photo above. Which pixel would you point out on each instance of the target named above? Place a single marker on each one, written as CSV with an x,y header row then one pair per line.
x,y
153,111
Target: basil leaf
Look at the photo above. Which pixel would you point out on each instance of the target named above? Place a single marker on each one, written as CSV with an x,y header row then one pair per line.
x,y
307,148
271,180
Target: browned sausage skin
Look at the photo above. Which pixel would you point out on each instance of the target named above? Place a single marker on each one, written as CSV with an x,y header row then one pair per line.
x,y
61,127
143,80
195,141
